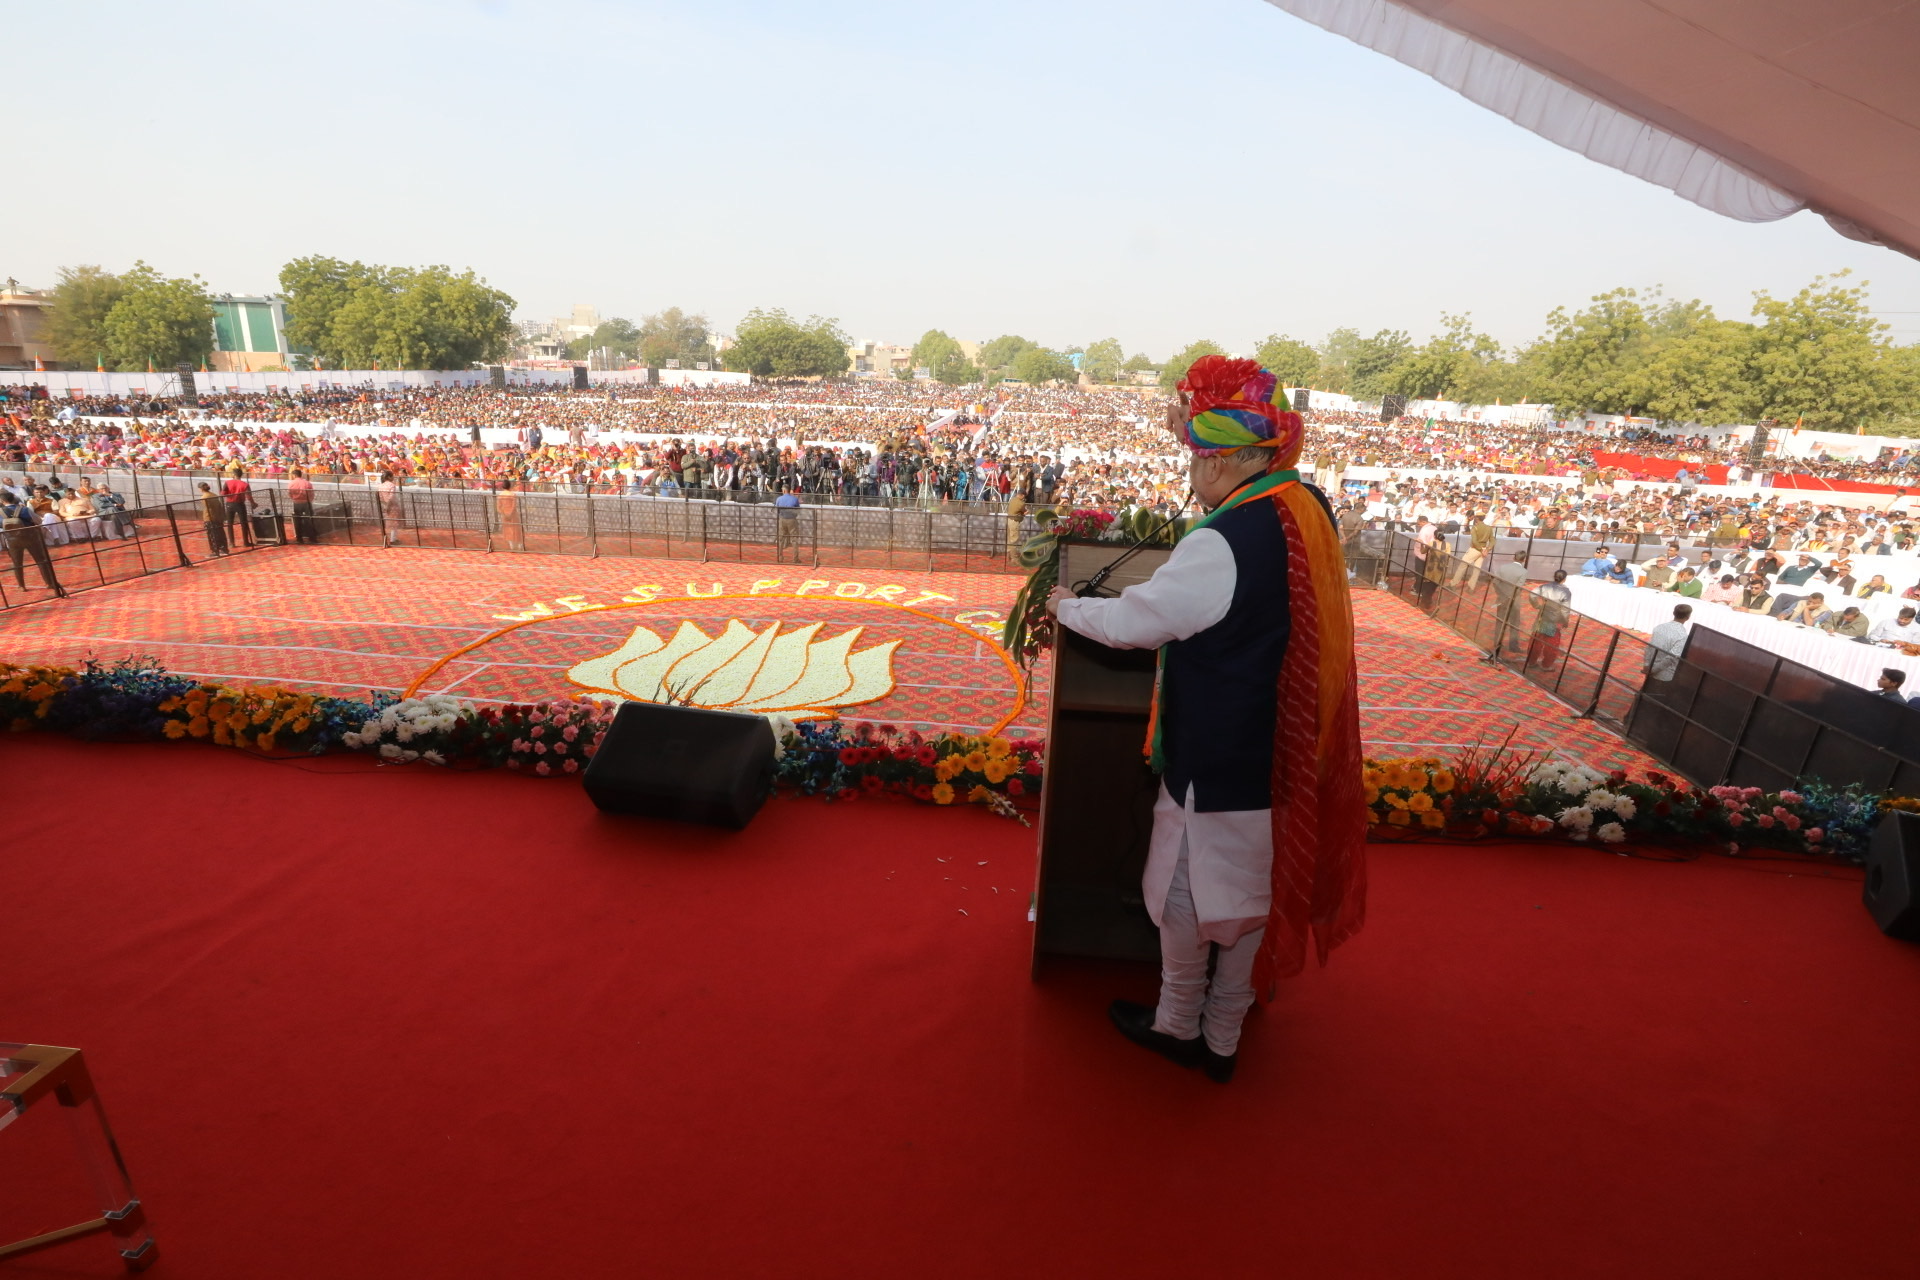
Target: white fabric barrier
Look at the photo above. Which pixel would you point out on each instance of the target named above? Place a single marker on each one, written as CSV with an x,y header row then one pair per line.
x,y
1637,609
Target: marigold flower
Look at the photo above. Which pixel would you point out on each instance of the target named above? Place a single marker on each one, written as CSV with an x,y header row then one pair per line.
x,y
1443,780
941,793
976,761
979,794
997,771
1399,817
1420,802
1433,818
997,748
174,729
199,726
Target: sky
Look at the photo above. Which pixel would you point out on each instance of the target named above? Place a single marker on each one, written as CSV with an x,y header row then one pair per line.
x,y
1156,171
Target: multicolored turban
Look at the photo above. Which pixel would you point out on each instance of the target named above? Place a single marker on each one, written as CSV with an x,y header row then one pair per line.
x,y
1235,404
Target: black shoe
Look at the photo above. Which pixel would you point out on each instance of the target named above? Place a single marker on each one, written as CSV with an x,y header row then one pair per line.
x,y
1217,1067
1135,1022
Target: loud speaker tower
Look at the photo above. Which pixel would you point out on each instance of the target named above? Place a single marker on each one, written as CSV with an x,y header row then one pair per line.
x,y
685,763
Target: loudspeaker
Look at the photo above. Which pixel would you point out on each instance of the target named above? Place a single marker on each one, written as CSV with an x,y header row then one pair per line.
x,y
579,377
685,763
187,388
1893,869
1392,407
1302,398
497,377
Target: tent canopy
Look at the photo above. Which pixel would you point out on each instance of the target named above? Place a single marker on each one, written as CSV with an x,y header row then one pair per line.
x,y
1752,108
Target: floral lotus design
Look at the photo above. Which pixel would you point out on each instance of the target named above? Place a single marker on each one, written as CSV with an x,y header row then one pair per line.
x,y
764,672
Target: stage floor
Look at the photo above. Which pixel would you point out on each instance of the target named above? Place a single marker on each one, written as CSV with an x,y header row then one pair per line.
x,y
404,1022
350,619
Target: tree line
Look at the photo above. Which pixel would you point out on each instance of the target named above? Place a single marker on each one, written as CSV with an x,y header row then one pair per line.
x,y
1818,358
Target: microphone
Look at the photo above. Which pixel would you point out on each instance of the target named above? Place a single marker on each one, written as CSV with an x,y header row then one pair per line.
x,y
1096,585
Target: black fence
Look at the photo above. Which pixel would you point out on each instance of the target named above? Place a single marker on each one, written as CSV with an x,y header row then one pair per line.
x,y
41,562
1719,711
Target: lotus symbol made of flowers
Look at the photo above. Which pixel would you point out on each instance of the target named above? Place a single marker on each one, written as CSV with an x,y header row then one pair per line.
x,y
742,669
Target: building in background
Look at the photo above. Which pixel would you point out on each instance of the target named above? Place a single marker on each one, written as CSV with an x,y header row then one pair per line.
x,y
23,328
250,334
879,357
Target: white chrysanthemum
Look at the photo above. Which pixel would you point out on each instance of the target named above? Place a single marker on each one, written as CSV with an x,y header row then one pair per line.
x,y
1578,819
433,757
404,732
389,752
1624,808
1598,799
408,757
350,739
1611,833
371,729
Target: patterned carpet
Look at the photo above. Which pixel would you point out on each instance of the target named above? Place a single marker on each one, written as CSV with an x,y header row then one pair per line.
x,y
348,619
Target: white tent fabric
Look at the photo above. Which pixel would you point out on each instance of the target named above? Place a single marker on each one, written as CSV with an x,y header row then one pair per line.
x,y
1750,109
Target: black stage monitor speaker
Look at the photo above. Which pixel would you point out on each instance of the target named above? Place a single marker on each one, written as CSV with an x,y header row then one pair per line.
x,y
683,762
1893,869
579,377
1393,407
1302,399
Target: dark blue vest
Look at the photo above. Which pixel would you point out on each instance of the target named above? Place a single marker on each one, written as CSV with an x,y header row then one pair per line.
x,y
1221,684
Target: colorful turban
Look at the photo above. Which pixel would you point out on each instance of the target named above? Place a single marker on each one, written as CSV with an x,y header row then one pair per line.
x,y
1235,404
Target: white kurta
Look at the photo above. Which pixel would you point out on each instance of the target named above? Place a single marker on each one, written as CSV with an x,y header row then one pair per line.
x,y
1230,854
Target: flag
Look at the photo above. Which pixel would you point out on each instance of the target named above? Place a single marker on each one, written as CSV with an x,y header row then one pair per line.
x,y
39,365
99,365
149,364
1796,423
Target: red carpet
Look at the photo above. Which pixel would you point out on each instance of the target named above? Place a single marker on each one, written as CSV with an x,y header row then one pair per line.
x,y
400,1023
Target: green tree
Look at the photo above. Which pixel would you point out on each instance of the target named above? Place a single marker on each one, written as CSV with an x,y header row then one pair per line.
x,y
1139,362
955,370
1817,355
1703,374
674,334
1446,366
1176,368
158,319
76,321
997,356
1103,360
1037,364
934,349
1373,359
772,344
1288,359
353,316
1337,352
1592,361
617,335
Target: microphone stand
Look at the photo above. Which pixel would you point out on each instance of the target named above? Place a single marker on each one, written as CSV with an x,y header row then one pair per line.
x,y
1096,585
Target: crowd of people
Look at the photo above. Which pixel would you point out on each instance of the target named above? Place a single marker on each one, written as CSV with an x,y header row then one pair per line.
x,y
871,438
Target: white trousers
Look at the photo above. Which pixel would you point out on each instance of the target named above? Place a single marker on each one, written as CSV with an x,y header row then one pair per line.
x,y
1189,1004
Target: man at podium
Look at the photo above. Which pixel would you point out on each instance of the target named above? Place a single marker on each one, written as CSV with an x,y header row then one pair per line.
x,y
1259,830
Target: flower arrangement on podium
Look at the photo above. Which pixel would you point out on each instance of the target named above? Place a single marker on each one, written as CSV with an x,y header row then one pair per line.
x,y
843,762
1029,629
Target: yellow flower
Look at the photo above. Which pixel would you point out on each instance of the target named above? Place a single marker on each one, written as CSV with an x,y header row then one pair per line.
x,y
1397,803
997,771
265,742
1416,780
1370,777
942,793
174,729
221,709
1372,794
1399,818
947,767
976,761
998,749
979,794
1393,776
1433,818
199,726
1420,802
237,722
222,736
1443,780
302,724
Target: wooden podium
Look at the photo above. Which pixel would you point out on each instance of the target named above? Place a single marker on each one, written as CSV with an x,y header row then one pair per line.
x,y
1097,810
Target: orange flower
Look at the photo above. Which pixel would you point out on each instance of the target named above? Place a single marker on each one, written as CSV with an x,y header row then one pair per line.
x,y
174,729
942,793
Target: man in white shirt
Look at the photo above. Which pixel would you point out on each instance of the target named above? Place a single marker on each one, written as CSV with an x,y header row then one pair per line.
x,y
1898,630
1664,643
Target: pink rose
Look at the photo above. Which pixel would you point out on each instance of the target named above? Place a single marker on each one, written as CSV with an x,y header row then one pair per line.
x,y
559,748
542,769
539,748
538,731
1790,822
1815,835
570,733
1736,819
1765,820
571,767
